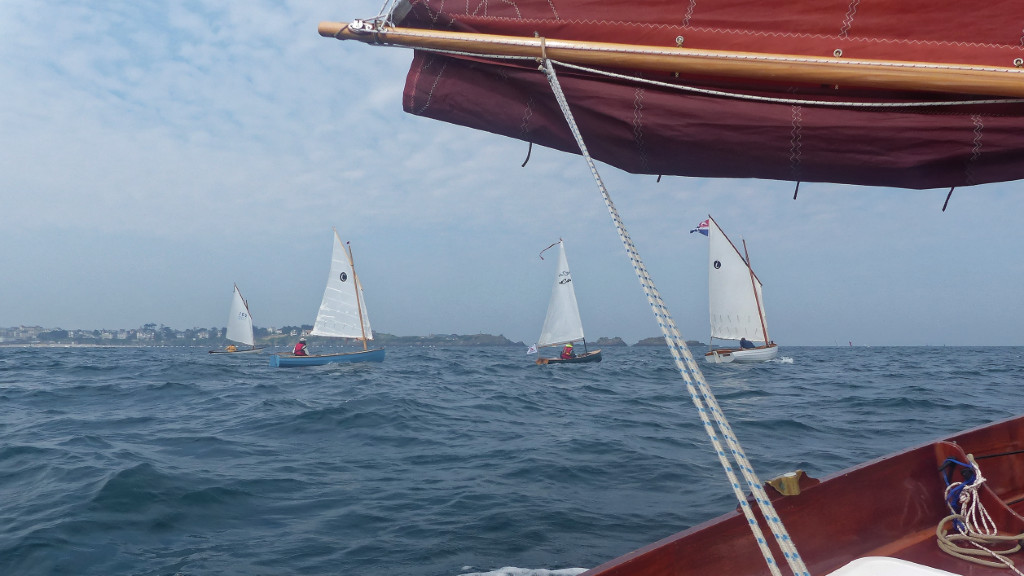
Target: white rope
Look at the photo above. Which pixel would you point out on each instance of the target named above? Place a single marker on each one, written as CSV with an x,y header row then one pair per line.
x,y
692,375
798,101
975,527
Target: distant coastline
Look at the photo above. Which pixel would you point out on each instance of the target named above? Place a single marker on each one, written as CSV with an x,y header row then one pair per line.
x,y
152,335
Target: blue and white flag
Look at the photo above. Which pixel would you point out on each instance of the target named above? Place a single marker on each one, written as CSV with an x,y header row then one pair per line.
x,y
532,349
702,227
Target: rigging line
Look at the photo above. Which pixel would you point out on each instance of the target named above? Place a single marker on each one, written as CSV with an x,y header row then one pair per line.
x,y
797,190
691,374
798,101
946,203
528,152
998,454
735,95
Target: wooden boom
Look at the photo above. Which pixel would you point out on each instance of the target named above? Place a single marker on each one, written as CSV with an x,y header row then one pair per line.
x,y
958,79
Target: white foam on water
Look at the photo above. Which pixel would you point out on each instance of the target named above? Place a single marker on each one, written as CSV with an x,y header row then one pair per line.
x,y
513,571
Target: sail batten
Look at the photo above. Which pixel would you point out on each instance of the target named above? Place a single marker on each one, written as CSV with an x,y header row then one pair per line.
x,y
562,324
341,307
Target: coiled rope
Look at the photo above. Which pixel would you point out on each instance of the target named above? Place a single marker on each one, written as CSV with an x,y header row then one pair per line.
x,y
977,535
699,391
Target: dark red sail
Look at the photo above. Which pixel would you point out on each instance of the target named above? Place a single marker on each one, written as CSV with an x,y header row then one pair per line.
x,y
643,128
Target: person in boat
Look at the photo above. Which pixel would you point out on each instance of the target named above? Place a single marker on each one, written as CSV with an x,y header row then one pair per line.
x,y
300,348
744,343
568,352
232,348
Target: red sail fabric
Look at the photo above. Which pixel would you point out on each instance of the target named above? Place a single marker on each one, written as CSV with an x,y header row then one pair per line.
x,y
652,130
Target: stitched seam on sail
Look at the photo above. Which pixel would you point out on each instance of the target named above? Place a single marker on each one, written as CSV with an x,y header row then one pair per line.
x,y
795,143
430,93
524,128
848,20
979,126
638,125
689,12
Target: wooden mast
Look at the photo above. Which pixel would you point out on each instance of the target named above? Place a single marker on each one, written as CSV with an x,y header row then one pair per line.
x,y
355,284
944,78
753,285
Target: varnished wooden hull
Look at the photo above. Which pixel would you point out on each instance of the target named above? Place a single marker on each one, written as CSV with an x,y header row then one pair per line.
x,y
887,507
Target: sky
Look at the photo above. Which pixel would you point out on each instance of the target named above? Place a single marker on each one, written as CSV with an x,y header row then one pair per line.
x,y
152,154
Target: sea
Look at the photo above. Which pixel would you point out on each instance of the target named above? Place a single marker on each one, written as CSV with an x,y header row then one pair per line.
x,y
435,462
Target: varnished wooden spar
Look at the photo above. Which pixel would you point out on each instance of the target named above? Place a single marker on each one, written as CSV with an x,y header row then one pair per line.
x,y
958,79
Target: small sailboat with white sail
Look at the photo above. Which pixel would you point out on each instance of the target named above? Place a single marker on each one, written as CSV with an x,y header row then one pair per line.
x,y
239,327
342,315
735,301
562,325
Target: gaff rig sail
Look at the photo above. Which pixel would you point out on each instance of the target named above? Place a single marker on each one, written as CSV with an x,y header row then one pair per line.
x,y
900,93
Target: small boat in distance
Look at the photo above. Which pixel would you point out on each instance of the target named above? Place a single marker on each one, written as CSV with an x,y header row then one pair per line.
x,y
562,325
734,301
342,315
239,327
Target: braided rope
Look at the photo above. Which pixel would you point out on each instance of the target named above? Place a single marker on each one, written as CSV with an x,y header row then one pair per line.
x,y
975,527
691,374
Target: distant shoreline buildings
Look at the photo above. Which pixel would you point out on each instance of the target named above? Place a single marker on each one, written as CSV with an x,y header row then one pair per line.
x,y
160,335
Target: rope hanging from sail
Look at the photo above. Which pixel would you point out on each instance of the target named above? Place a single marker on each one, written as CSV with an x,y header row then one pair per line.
x,y
972,522
946,203
692,376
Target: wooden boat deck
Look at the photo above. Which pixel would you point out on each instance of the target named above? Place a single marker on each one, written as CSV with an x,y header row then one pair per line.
x,y
887,507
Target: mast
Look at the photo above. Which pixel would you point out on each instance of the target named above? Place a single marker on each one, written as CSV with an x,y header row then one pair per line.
x,y
355,277
753,286
945,78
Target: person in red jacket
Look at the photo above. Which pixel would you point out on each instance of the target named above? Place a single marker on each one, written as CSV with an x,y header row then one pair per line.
x,y
568,352
300,348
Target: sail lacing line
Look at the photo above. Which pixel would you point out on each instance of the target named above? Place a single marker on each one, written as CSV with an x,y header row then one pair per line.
x,y
795,101
693,378
973,522
738,95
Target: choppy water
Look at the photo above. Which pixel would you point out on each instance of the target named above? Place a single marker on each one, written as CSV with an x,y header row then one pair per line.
x,y
439,461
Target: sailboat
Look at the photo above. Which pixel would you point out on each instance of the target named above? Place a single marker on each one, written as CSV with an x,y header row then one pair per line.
x,y
562,324
870,92
342,314
735,301
239,327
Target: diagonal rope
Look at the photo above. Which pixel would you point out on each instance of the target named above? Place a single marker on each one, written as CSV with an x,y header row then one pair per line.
x,y
692,375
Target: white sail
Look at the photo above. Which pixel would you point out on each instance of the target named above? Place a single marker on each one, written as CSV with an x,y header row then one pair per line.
x,y
734,292
343,302
239,320
562,323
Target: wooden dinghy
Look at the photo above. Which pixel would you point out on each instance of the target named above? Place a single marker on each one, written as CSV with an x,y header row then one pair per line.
x,y
892,507
293,361
594,356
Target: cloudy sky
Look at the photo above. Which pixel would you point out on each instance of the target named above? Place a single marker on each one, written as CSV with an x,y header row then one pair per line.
x,y
152,154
